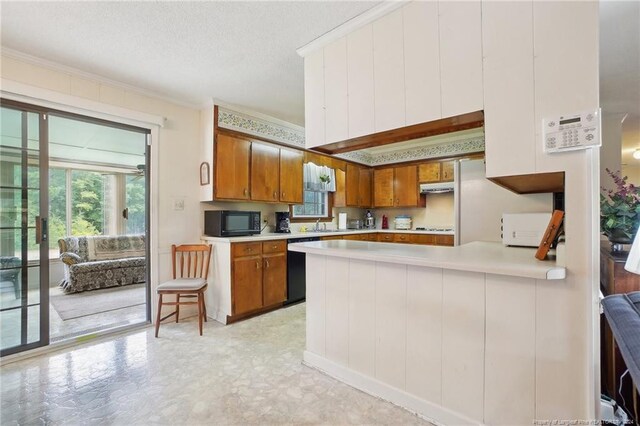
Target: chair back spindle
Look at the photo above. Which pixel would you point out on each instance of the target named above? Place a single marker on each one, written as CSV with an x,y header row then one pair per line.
x,y
194,254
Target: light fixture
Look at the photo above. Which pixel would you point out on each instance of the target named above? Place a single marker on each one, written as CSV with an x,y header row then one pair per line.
x,y
636,154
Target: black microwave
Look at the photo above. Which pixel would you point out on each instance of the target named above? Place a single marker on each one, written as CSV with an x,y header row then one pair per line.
x,y
231,223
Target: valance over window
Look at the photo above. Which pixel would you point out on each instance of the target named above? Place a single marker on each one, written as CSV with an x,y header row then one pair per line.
x,y
319,178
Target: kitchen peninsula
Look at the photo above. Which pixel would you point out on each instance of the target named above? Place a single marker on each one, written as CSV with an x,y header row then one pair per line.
x,y
446,332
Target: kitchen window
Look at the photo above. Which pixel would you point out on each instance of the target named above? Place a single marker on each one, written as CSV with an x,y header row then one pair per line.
x,y
316,205
318,182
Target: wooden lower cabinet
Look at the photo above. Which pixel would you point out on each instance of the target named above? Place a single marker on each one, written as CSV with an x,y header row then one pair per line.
x,y
246,284
385,237
274,279
444,240
258,275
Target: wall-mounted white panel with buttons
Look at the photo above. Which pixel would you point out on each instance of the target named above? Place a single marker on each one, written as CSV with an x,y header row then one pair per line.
x,y
572,131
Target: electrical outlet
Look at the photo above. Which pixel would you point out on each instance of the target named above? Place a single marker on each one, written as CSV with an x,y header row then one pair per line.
x,y
178,204
265,221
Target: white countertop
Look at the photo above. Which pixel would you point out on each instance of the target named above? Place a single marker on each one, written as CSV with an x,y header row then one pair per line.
x,y
490,258
280,236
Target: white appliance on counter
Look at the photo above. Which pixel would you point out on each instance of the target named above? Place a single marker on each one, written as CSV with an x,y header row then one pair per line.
x,y
524,229
402,222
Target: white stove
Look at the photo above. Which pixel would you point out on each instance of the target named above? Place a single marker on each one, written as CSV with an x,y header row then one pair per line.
x,y
434,229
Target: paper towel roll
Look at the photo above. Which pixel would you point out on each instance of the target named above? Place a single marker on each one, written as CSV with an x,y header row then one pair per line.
x,y
342,221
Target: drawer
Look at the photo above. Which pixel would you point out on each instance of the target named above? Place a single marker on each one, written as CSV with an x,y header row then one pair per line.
x,y
276,246
335,237
385,238
444,240
356,237
427,239
246,249
372,237
402,238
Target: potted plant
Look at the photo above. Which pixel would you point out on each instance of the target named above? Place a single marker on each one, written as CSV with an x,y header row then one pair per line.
x,y
620,212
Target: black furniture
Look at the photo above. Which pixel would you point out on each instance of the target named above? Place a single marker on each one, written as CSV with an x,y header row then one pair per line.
x,y
296,272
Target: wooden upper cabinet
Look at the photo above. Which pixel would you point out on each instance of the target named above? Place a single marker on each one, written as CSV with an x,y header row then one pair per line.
x,y
460,29
405,186
364,185
291,176
447,171
353,185
335,91
232,157
436,171
429,172
265,176
314,127
383,187
339,197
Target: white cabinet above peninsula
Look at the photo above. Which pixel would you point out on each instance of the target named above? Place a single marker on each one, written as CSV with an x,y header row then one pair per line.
x,y
414,65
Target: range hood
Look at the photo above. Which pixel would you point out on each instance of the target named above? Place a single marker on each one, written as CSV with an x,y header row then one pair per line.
x,y
436,188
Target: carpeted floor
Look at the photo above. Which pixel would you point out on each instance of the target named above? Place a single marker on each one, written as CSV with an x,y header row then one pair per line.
x,y
76,305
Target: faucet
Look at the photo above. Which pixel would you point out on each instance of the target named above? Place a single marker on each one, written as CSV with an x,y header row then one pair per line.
x,y
317,226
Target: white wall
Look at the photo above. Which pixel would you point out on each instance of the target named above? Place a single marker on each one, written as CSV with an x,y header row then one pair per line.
x,y
611,150
177,147
482,204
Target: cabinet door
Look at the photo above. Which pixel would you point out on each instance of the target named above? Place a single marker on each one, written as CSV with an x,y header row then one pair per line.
x,y
447,171
444,240
360,81
386,237
388,71
460,56
403,238
405,186
421,62
265,176
353,185
335,91
274,279
291,176
232,167
510,125
429,172
426,239
339,197
314,129
383,187
247,284
365,187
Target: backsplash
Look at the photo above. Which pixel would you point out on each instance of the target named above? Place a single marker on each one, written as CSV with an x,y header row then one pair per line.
x,y
438,213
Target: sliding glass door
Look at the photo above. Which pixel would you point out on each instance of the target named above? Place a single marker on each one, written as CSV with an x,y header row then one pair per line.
x,y
24,251
78,184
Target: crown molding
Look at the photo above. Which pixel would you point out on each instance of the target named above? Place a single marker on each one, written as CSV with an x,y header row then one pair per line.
x,y
26,93
267,127
351,25
254,114
55,66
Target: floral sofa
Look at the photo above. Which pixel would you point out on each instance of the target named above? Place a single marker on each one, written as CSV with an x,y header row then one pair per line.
x,y
100,261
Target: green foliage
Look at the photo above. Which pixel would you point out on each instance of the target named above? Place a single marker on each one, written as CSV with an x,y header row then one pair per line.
x,y
80,226
87,190
620,209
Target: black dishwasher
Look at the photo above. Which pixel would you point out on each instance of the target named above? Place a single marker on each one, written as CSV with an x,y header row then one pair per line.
x,y
296,278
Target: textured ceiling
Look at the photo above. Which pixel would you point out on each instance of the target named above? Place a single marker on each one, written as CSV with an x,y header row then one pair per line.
x,y
241,53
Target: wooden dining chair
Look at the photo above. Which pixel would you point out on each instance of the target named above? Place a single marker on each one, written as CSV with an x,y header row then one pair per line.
x,y
191,283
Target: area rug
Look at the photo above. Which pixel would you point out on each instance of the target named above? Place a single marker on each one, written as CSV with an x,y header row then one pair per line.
x,y
76,305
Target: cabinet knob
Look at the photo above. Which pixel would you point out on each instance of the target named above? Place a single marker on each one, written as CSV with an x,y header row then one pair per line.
x,y
245,191
275,194
266,261
283,195
274,246
257,265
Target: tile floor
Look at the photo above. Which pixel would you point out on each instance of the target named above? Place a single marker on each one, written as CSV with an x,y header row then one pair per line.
x,y
245,373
